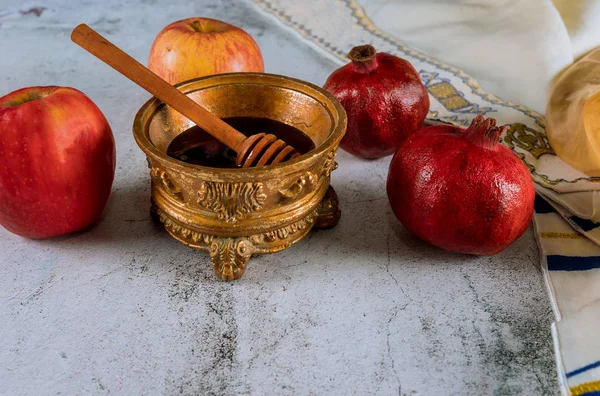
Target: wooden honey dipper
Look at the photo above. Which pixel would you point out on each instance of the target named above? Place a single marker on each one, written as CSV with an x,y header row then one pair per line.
x,y
256,150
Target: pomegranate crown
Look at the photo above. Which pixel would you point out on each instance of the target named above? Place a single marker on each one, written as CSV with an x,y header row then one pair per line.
x,y
484,131
363,58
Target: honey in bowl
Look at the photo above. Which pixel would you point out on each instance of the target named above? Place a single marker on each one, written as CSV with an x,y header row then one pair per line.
x,y
196,146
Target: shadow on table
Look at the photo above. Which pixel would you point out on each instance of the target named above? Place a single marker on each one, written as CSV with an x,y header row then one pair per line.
x,y
368,235
368,238
126,219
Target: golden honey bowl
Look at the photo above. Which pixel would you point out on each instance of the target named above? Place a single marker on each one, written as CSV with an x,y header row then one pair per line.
x,y
237,212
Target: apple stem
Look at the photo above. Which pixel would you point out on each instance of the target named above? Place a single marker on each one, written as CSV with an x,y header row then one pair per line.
x,y
196,26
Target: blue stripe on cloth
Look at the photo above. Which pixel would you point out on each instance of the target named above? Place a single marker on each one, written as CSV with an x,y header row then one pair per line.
x,y
568,263
541,206
583,369
592,393
585,224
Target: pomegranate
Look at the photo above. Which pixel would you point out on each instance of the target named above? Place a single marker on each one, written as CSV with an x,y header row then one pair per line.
x,y
459,189
384,98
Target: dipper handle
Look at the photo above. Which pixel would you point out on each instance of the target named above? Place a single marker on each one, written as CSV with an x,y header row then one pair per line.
x,y
107,52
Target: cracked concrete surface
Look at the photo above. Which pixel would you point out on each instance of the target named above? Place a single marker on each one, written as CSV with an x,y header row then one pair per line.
x,y
364,308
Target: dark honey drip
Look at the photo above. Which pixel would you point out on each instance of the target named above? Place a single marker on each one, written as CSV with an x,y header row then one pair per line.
x,y
195,146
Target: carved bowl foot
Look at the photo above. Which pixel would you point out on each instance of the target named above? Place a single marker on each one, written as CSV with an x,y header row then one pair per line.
x,y
229,257
329,210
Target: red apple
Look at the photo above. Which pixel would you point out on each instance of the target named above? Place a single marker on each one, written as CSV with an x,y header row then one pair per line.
x,y
58,161
197,47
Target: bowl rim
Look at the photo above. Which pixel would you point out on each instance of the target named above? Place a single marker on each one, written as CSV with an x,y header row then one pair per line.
x,y
336,133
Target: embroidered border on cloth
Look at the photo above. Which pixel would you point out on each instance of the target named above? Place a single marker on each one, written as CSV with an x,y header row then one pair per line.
x,y
452,103
583,369
588,389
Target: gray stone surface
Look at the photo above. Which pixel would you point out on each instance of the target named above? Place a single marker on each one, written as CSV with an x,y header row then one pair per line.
x,y
364,308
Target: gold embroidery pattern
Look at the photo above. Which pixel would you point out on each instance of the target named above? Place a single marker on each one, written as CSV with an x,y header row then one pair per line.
x,y
584,388
448,96
528,139
561,235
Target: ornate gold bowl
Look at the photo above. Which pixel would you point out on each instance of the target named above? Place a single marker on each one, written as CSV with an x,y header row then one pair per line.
x,y
234,213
